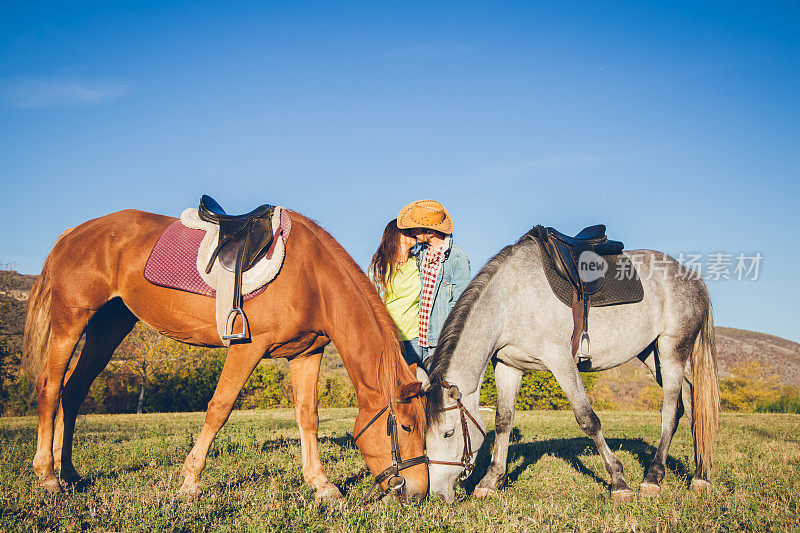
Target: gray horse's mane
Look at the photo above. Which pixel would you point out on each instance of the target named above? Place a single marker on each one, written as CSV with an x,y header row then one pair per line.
x,y
453,327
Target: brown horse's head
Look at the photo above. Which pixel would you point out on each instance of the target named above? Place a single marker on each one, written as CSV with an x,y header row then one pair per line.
x,y
406,423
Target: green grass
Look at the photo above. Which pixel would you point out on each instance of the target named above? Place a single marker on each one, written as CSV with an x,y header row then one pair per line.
x,y
253,480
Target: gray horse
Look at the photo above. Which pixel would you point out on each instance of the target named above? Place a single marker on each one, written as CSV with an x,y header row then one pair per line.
x,y
509,314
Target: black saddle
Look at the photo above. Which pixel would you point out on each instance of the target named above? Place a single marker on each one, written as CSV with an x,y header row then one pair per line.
x,y
243,240
566,253
582,260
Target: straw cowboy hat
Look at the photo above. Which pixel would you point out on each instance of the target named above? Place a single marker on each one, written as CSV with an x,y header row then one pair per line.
x,y
425,214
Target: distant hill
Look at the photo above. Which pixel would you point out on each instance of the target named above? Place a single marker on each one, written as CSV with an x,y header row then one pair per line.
x,y
733,346
738,345
14,290
16,285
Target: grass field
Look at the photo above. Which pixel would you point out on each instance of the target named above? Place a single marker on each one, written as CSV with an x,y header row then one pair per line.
x,y
253,480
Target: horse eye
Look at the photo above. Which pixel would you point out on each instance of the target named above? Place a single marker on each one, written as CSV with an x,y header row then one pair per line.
x,y
407,429
449,433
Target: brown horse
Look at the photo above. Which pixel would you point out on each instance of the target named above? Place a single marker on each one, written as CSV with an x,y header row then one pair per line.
x,y
92,283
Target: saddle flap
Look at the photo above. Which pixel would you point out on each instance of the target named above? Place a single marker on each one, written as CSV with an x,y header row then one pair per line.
x,y
252,239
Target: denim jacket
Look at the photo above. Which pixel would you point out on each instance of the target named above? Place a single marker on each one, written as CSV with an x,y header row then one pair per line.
x,y
452,279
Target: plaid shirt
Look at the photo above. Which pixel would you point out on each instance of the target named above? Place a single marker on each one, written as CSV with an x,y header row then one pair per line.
x,y
433,262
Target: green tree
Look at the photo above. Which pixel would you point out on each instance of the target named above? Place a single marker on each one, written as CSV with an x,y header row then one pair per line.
x,y
268,386
538,390
787,402
146,354
748,386
336,391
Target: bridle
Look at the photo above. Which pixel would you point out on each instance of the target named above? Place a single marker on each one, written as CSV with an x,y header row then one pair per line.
x,y
466,457
394,480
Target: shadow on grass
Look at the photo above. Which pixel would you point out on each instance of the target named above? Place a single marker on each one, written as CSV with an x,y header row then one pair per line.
x,y
765,434
570,451
90,480
222,447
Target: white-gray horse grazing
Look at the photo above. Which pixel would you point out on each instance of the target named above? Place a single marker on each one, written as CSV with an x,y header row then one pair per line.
x,y
509,313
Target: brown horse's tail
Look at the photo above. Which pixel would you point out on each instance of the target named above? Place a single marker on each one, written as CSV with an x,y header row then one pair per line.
x,y
706,398
36,343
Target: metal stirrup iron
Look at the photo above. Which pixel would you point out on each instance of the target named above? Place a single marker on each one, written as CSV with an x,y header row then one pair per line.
x,y
236,311
584,356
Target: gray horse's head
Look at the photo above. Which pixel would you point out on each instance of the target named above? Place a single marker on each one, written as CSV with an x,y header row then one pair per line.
x,y
455,434
467,341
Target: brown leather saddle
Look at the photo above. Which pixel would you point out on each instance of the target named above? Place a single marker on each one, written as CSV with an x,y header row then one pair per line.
x,y
243,241
587,270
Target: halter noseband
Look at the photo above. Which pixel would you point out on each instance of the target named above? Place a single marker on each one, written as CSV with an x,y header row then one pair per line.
x,y
394,480
466,456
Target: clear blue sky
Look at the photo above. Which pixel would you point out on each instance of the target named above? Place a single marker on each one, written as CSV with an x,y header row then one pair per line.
x,y
676,124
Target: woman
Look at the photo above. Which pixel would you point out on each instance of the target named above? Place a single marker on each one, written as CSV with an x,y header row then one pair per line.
x,y
396,276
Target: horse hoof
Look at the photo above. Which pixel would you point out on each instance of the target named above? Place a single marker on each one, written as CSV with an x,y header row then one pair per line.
x,y
190,492
52,486
699,485
329,493
71,478
621,495
648,490
484,493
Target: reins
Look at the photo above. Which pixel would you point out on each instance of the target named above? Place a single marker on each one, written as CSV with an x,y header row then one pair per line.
x,y
394,480
466,456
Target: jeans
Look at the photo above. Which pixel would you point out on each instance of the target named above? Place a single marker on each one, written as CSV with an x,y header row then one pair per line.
x,y
412,353
426,353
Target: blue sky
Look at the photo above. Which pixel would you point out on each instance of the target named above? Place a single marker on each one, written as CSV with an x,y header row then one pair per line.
x,y
676,124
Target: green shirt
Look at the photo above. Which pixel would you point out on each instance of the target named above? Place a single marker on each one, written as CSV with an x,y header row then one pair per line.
x,y
402,299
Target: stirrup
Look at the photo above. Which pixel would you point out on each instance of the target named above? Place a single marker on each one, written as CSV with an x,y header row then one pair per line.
x,y
583,355
237,311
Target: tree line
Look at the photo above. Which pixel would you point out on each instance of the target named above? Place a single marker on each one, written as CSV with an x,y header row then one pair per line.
x,y
150,373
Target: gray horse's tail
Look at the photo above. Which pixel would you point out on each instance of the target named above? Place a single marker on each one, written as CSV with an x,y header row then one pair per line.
x,y
705,396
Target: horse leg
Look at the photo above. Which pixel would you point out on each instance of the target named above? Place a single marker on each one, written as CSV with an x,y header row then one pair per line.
x,y
507,380
651,360
64,336
239,364
672,379
105,331
569,379
305,372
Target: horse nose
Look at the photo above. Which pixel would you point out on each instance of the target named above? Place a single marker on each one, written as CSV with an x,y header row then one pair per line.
x,y
413,494
442,496
414,497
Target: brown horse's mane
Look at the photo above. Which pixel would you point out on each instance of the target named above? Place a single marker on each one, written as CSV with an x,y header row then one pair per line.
x,y
392,370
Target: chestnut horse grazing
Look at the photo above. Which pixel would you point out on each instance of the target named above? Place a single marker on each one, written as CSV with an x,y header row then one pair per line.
x,y
92,283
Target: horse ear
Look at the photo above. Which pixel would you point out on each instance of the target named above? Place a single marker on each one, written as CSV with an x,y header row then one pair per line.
x,y
454,393
422,376
409,390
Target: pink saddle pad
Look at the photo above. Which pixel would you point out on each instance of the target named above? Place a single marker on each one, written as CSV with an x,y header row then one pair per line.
x,y
173,260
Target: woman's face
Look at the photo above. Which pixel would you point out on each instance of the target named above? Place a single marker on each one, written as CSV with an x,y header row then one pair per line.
x,y
407,241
